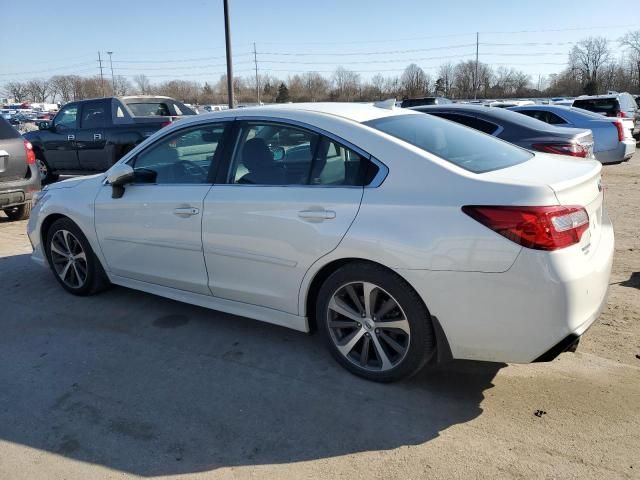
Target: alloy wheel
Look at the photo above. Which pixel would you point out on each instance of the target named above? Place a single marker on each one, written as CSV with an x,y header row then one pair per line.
x,y
42,169
368,326
69,259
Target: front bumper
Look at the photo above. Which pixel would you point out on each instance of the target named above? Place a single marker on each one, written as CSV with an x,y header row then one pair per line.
x,y
519,315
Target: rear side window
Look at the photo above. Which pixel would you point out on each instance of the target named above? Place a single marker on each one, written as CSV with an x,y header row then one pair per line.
x,y
544,116
94,115
464,147
6,130
609,106
155,109
468,121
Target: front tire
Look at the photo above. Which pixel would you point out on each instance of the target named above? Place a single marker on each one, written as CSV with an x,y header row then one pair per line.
x,y
21,212
72,260
374,323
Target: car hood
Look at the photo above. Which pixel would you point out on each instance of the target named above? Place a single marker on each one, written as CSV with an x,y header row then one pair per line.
x,y
72,182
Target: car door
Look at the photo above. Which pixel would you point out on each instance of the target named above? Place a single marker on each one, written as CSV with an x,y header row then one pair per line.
x,y
286,199
60,140
90,137
153,233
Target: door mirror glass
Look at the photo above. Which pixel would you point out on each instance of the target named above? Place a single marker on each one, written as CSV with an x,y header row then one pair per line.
x,y
46,125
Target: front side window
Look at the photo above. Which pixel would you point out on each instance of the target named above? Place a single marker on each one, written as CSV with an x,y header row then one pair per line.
x,y
67,118
462,146
185,157
276,154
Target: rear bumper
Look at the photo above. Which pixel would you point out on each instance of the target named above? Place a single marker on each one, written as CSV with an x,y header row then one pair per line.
x,y
520,315
623,151
20,191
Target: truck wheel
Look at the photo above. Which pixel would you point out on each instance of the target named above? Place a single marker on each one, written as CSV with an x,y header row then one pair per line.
x,y
21,212
46,176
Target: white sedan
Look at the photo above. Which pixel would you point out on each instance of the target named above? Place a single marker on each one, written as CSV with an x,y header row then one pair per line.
x,y
402,237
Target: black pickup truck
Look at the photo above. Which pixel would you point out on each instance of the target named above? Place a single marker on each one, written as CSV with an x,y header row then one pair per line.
x,y
89,136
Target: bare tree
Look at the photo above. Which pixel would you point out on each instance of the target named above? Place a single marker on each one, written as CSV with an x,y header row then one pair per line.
x,y
588,57
38,89
142,83
446,75
377,86
415,82
17,90
121,86
347,84
631,41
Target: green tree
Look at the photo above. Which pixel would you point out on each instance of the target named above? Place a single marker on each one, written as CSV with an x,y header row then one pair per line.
x,y
283,94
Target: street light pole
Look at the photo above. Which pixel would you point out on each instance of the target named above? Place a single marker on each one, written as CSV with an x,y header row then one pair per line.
x,y
113,79
227,38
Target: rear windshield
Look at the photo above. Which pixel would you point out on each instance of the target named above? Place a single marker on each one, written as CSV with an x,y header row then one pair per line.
x,y
465,147
609,106
158,109
7,131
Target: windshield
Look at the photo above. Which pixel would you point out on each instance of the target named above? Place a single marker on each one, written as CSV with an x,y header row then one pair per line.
x,y
465,147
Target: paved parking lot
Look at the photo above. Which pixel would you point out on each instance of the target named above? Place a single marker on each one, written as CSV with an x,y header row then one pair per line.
x,y
128,384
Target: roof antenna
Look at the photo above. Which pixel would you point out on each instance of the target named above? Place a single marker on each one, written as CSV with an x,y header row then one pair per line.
x,y
388,104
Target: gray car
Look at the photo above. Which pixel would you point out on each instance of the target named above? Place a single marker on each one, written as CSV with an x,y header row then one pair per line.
x,y
518,129
19,178
613,142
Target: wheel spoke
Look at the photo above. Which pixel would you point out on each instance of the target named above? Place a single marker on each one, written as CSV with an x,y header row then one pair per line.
x,y
65,271
385,308
355,299
75,270
343,324
399,324
55,249
364,354
345,348
382,355
65,236
341,308
80,256
369,298
392,343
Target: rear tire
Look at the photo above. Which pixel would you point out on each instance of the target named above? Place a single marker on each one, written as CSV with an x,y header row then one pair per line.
x,y
374,323
46,176
21,212
72,260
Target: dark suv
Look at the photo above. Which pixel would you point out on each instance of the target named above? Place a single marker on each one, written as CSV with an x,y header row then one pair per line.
x,y
19,178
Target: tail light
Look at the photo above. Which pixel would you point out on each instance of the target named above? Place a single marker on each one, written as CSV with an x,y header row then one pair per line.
x,y
621,114
31,155
539,228
620,129
571,149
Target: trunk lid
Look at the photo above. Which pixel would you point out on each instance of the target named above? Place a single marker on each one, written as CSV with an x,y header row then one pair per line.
x,y
573,181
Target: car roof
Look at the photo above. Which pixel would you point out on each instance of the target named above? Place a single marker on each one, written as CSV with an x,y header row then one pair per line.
x,y
357,112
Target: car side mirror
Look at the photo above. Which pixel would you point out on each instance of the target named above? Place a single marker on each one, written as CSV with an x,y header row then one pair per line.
x,y
44,125
118,177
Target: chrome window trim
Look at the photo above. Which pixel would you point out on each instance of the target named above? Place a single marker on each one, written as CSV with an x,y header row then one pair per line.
x,y
383,170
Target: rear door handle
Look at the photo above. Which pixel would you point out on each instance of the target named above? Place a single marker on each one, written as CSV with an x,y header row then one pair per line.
x,y
71,137
186,211
317,215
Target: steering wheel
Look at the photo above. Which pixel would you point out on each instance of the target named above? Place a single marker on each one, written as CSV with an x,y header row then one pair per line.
x,y
193,169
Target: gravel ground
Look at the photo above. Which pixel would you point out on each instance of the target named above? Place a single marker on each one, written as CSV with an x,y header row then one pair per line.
x,y
125,384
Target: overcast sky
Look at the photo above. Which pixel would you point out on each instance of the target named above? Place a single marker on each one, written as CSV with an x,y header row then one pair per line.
x,y
185,39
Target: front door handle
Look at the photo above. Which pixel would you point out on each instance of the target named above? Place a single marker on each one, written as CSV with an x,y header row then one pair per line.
x,y
186,211
97,136
317,215
71,137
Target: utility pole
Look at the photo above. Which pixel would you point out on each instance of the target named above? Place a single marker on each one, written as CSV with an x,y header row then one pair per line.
x,y
477,83
227,39
113,79
101,76
255,59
